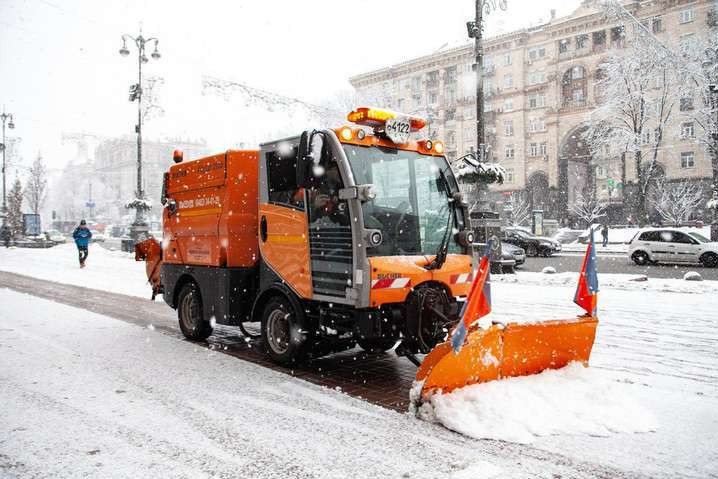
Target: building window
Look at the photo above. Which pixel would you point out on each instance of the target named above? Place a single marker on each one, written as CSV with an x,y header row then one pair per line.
x,y
469,113
507,59
533,150
451,138
688,160
400,104
688,131
573,88
416,84
617,35
433,98
687,42
537,124
510,176
450,75
469,134
432,79
657,24
599,40
487,106
537,53
537,101
686,103
536,77
563,45
646,137
508,80
450,96
508,104
509,128
509,152
543,149
581,42
687,15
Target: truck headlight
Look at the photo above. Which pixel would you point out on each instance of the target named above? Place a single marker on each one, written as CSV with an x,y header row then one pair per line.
x,y
375,238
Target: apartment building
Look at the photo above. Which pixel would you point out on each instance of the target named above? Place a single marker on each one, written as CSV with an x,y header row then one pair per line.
x,y
539,88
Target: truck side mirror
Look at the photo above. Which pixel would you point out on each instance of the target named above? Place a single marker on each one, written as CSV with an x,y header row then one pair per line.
x,y
309,155
172,206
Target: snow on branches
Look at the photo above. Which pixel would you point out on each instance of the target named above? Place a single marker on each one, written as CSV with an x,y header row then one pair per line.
x,y
519,209
142,204
589,208
675,202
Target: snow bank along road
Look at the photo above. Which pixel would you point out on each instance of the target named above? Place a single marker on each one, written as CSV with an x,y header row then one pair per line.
x,y
662,344
86,395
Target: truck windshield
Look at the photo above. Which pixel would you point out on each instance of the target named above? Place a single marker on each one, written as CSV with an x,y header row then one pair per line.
x,y
412,204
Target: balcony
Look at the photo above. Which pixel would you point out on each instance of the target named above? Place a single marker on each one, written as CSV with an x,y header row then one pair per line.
x,y
573,104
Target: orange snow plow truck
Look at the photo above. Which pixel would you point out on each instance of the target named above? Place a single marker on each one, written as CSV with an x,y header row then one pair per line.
x,y
357,235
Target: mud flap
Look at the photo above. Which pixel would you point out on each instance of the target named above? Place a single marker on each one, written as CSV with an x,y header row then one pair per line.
x,y
507,351
150,251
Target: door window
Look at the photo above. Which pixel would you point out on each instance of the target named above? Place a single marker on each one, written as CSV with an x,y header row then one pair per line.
x,y
682,238
325,207
282,179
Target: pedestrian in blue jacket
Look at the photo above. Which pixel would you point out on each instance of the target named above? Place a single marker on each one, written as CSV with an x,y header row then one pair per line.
x,y
82,237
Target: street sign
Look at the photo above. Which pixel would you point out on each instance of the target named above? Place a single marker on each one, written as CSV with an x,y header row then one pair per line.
x,y
610,182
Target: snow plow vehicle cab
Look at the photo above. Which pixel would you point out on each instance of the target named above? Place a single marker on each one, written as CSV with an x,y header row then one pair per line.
x,y
328,239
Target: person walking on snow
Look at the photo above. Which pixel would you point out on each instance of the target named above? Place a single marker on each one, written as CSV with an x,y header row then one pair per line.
x,y
82,237
604,234
6,235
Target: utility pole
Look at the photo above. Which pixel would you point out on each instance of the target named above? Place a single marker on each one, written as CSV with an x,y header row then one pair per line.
x,y
139,227
6,117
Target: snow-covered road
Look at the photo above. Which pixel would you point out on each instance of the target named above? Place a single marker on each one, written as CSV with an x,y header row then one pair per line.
x,y
662,345
88,396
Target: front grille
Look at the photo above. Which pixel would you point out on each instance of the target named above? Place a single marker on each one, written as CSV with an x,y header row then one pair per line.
x,y
331,254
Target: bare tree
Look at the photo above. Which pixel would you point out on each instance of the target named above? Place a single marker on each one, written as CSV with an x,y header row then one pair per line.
x,y
640,93
36,186
519,209
589,208
676,201
151,104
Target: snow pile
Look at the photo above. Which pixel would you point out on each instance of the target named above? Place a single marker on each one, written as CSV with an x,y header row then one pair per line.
x,y
692,276
571,401
606,281
549,270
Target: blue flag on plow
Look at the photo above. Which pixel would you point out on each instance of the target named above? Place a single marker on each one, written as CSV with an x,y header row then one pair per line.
x,y
587,291
478,302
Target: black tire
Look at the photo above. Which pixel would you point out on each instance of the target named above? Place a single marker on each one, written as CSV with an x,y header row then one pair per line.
x,y
379,345
531,250
641,258
285,339
191,314
709,260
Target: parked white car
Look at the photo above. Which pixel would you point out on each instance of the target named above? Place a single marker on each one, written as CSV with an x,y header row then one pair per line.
x,y
671,245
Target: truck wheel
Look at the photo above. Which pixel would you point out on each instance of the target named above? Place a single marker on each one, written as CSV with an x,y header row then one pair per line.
x,y
282,332
376,345
190,314
710,260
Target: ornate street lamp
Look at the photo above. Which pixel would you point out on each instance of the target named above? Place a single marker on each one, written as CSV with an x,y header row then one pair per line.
x,y
710,68
6,118
139,204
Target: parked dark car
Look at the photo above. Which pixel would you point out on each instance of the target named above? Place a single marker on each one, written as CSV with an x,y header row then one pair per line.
x,y
533,245
518,254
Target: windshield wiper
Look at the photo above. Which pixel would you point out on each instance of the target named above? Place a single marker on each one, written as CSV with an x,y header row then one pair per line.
x,y
443,250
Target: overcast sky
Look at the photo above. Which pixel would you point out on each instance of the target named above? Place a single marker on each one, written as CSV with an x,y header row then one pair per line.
x,y
60,69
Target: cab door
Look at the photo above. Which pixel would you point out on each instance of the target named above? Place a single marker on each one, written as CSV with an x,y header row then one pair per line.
x,y
283,234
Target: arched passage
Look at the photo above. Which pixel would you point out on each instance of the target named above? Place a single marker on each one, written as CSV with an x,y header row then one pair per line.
x,y
575,174
538,191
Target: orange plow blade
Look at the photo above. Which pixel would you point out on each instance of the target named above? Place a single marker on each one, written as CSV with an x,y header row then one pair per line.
x,y
507,351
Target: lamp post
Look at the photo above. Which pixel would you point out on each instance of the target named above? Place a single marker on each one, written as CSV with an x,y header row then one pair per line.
x,y
475,30
710,68
485,223
139,204
6,118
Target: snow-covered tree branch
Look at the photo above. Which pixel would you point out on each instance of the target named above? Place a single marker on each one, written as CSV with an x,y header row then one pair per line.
x,y
589,208
675,202
519,209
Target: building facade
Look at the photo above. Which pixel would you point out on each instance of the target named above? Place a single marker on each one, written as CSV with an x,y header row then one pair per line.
x,y
539,88
115,170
